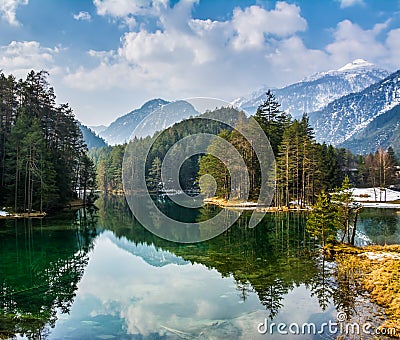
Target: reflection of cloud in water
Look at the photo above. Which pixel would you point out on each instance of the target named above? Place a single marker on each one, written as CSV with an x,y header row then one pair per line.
x,y
158,300
177,297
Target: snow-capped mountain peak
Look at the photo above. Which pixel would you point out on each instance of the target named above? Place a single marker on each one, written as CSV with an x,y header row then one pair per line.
x,y
355,64
318,90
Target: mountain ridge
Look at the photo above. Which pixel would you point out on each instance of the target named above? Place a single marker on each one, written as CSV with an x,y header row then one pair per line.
x,y
318,90
120,130
92,140
347,116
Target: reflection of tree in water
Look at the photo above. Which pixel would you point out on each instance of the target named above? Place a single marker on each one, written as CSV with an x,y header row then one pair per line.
x,y
42,263
269,260
348,285
323,285
381,225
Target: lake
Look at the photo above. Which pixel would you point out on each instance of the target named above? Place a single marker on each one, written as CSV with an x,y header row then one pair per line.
x,y
98,274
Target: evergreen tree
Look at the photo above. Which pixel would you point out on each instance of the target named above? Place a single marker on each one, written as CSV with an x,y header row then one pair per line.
x,y
216,169
154,177
41,145
346,211
272,120
321,221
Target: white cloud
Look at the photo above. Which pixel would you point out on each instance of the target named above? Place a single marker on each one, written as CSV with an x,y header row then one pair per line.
x,y
84,16
393,45
19,57
352,42
8,9
124,9
188,57
350,3
252,24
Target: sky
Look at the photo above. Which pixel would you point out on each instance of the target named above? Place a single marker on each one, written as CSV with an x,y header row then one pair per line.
x,y
108,57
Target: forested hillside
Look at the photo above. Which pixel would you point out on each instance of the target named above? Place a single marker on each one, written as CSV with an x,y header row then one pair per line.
x,y
304,168
92,140
43,158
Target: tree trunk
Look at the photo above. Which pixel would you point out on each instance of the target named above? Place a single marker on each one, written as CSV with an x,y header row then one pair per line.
x,y
353,234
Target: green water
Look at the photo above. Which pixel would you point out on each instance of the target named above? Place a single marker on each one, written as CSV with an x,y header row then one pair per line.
x,y
100,275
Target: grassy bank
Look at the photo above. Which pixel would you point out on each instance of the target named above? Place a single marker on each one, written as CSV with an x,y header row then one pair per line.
x,y
377,270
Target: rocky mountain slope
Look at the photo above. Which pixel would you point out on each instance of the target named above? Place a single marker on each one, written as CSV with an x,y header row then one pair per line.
x,y
348,118
164,114
315,92
383,131
121,129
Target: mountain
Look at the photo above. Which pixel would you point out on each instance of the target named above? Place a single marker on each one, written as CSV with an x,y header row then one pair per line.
x,y
163,116
363,116
314,92
121,129
91,139
150,254
383,131
97,128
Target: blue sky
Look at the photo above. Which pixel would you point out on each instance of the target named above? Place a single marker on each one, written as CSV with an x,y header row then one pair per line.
x,y
107,57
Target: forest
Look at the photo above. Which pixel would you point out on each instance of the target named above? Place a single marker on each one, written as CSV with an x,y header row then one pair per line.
x,y
44,162
304,168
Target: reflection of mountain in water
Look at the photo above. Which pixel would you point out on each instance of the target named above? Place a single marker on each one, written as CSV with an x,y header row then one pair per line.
x,y
155,257
270,260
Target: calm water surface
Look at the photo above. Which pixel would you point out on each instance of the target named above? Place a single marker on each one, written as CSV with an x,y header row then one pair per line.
x,y
100,275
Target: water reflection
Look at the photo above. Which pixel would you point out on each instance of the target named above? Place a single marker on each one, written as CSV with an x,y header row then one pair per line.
x,y
99,274
41,263
381,225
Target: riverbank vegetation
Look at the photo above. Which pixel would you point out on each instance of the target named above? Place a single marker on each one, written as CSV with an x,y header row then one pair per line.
x,y
43,157
376,269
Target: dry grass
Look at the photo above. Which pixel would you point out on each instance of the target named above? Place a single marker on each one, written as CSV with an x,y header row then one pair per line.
x,y
377,268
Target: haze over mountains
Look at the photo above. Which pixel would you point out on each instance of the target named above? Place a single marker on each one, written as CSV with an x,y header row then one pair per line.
x,y
356,106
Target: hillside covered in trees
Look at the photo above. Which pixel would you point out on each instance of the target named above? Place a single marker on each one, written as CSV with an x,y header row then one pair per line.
x,y
43,158
304,168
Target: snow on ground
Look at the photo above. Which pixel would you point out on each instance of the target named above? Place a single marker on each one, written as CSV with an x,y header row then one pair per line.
x,y
380,205
3,213
380,256
375,195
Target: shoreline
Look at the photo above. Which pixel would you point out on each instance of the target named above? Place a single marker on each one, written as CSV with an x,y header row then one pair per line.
x,y
23,215
246,205
375,269
254,206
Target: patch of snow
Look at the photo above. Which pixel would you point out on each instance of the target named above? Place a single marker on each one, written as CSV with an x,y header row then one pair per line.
x,y
375,196
381,256
380,205
3,213
355,64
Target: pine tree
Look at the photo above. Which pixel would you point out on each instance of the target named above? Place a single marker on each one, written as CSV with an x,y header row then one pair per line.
x,y
154,177
41,145
272,120
321,222
346,211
